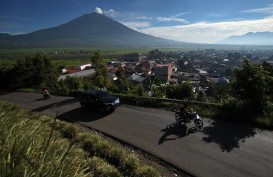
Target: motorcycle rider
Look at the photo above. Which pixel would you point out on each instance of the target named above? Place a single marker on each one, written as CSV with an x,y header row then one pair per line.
x,y
185,110
46,92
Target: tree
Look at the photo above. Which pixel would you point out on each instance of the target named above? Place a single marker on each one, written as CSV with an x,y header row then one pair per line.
x,y
187,91
139,90
120,73
96,59
185,65
218,91
234,56
253,86
158,92
33,72
172,91
155,54
181,91
201,96
101,79
62,88
74,83
5,77
156,87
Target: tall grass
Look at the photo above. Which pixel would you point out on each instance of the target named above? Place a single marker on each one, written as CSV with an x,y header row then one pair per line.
x,y
38,145
27,149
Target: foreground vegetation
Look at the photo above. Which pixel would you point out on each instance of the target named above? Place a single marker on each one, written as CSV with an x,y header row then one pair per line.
x,y
35,145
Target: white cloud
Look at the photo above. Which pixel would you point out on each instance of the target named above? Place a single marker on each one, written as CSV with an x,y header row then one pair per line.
x,y
110,12
98,10
144,18
265,10
205,32
171,19
137,24
180,14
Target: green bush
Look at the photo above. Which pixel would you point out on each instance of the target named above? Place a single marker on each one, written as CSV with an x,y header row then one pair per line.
x,y
100,168
203,109
115,154
147,172
130,164
62,88
141,101
264,122
101,148
88,146
68,131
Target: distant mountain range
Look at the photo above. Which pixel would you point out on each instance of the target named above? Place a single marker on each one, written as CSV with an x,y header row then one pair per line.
x,y
90,30
258,38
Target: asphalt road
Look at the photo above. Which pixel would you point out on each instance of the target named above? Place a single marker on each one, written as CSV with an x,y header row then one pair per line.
x,y
220,149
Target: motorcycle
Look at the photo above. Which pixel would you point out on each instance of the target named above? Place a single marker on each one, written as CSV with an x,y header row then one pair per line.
x,y
188,117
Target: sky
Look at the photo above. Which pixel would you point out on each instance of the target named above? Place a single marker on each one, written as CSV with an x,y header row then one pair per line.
x,y
198,21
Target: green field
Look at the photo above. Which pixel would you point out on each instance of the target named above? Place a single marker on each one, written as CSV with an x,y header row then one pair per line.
x,y
21,53
76,56
63,56
68,56
71,53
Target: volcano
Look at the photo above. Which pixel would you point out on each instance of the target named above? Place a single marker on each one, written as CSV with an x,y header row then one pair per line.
x,y
90,30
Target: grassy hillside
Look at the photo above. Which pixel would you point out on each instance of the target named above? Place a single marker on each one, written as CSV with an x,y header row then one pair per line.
x,y
38,145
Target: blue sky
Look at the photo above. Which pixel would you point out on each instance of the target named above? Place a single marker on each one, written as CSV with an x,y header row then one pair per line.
x,y
202,21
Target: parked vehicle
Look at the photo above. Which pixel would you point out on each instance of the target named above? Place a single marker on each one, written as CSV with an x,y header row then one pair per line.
x,y
187,117
99,101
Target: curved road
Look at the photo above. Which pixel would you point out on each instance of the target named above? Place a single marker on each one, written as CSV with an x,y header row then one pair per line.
x,y
220,149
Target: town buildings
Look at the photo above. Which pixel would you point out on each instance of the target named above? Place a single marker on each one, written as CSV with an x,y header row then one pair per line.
x,y
199,67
